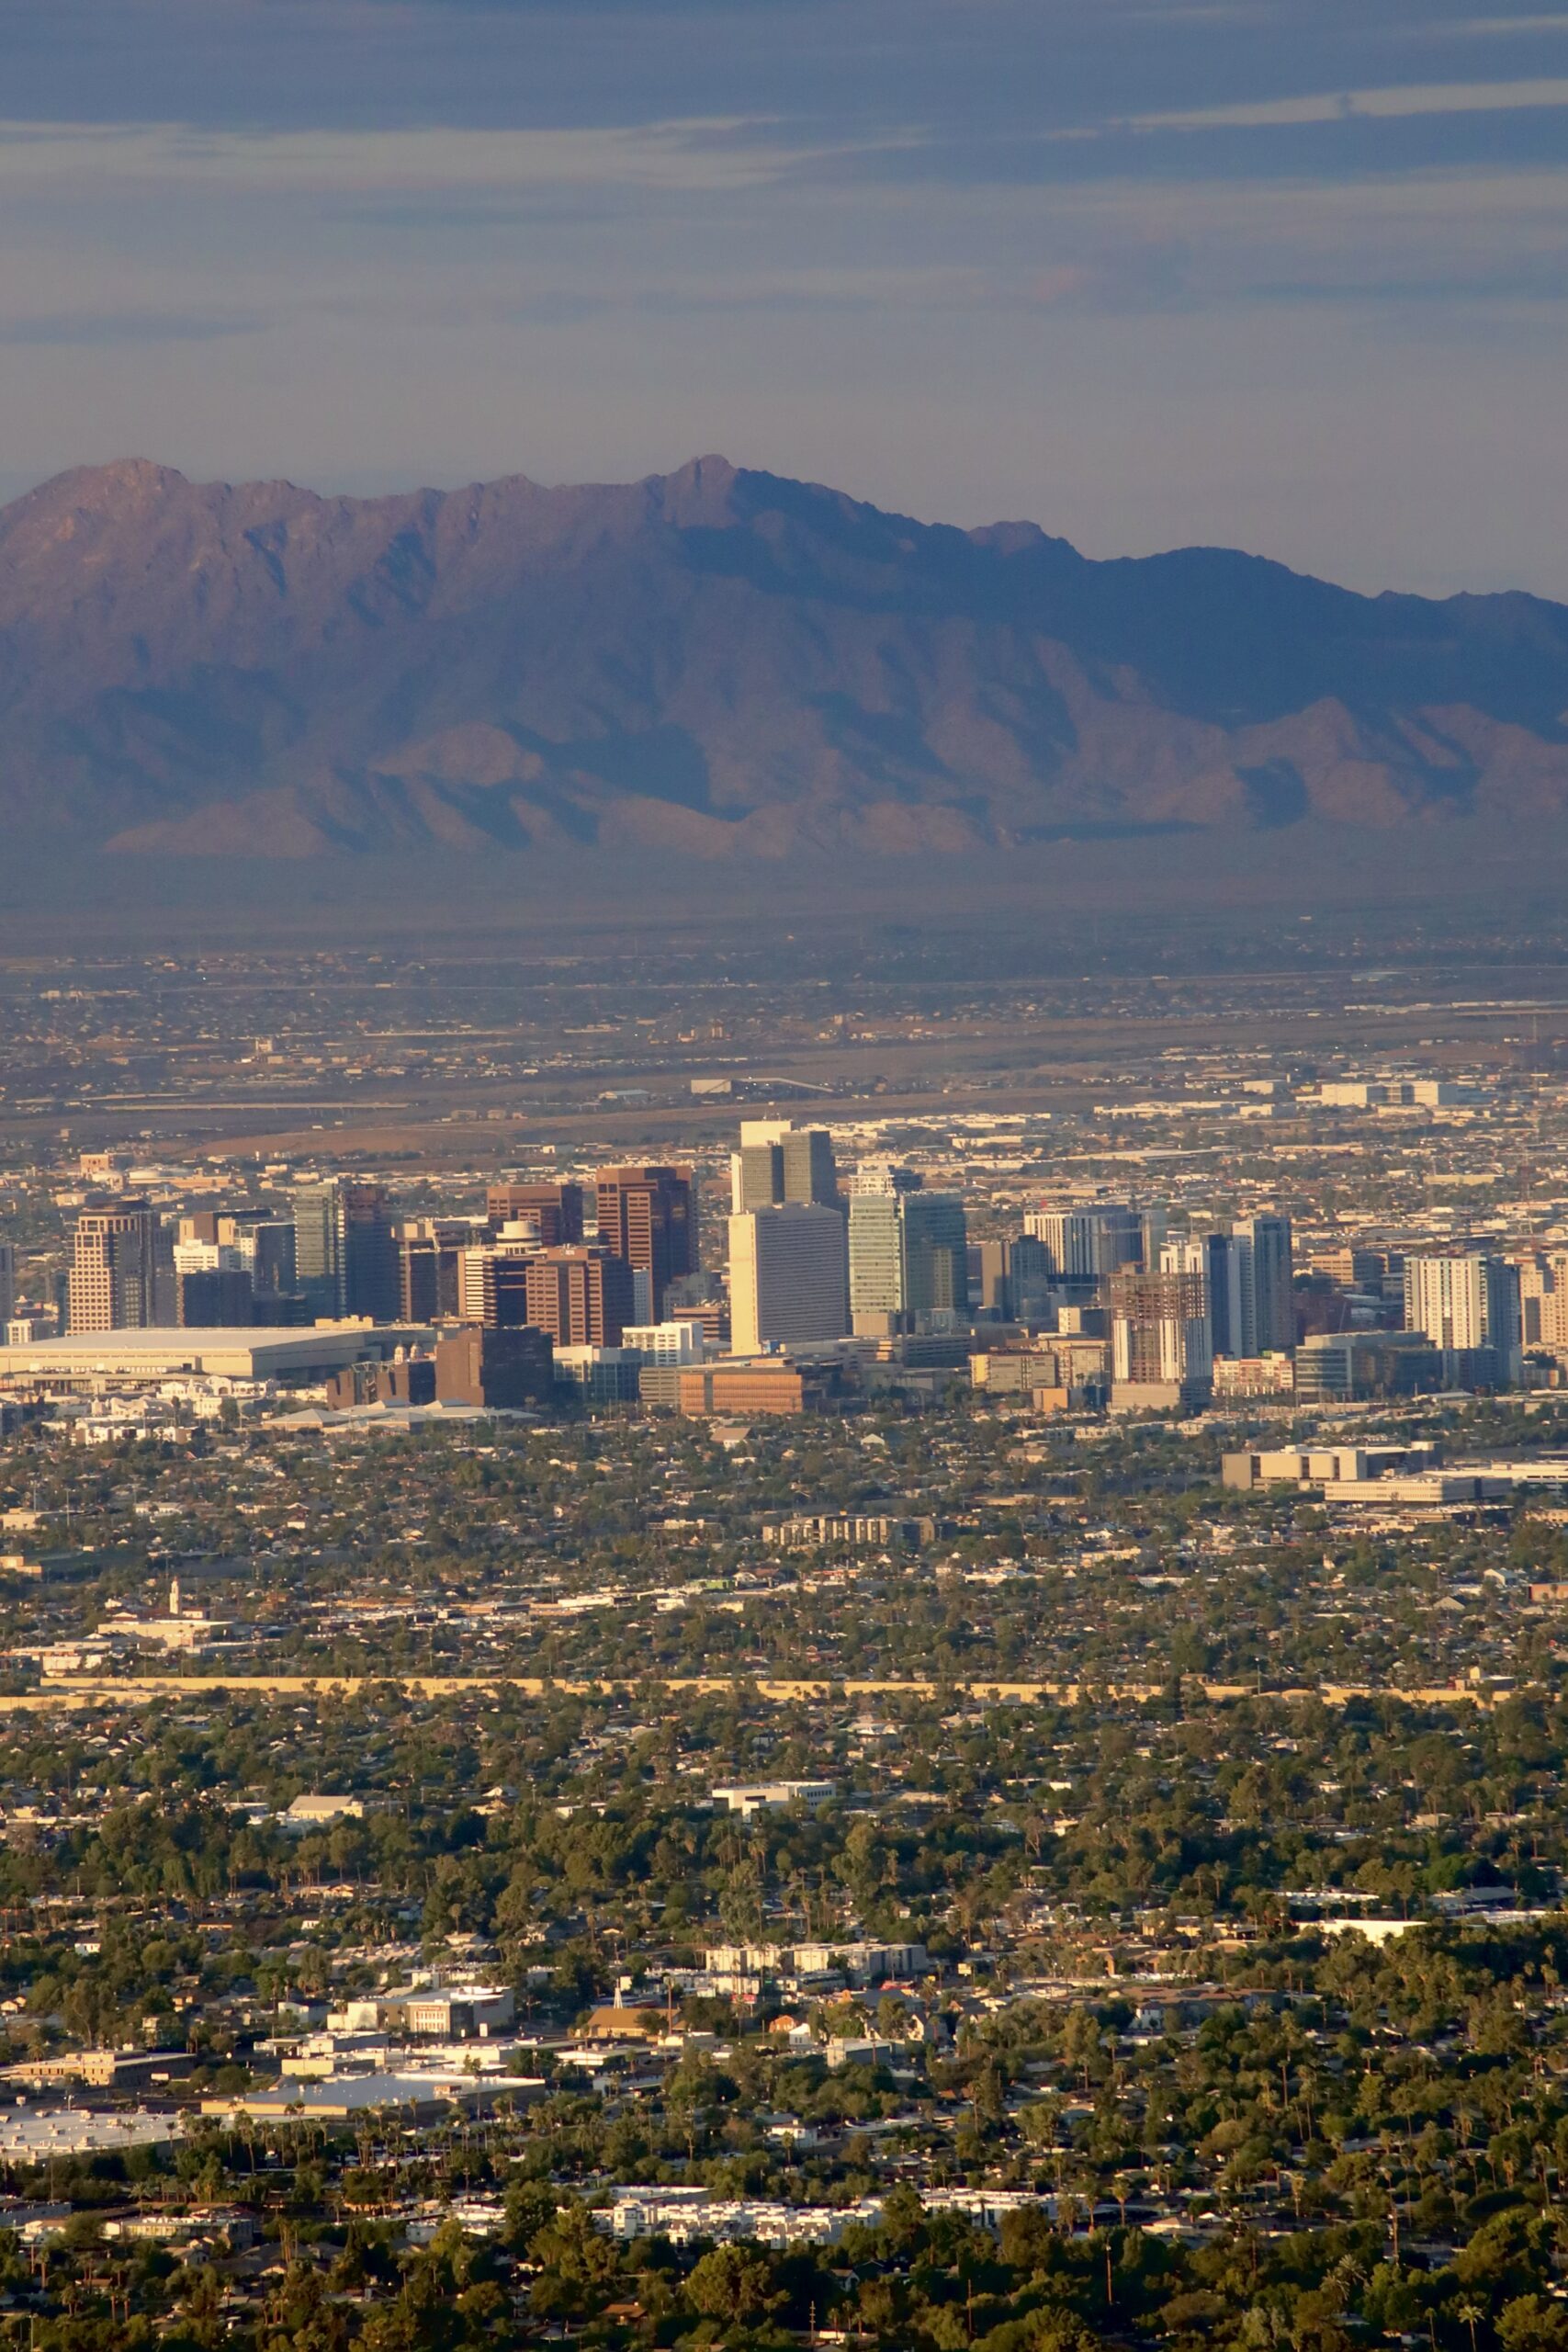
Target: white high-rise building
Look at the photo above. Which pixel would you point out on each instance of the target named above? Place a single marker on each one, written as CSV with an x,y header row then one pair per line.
x,y
471,1263
212,1258
1225,1263
909,1254
518,1238
788,1277
1161,1351
1087,1245
7,1281
1466,1302
662,1344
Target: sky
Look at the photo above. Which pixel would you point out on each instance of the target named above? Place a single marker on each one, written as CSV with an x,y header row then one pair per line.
x,y
1286,275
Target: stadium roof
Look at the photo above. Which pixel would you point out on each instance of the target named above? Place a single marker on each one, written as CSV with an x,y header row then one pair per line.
x,y
259,1351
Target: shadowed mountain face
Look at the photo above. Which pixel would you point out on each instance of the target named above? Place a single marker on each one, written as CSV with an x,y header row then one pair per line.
x,y
711,663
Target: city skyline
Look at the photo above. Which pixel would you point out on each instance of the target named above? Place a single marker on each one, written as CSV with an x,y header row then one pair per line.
x,y
1085,1303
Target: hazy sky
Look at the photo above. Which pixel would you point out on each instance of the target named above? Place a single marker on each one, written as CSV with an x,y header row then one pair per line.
x,y
1291,275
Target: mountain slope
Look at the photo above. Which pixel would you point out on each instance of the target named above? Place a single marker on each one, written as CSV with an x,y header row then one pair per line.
x,y
713,661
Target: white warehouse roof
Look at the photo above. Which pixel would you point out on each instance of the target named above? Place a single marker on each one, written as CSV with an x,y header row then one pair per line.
x,y
245,1353
33,2134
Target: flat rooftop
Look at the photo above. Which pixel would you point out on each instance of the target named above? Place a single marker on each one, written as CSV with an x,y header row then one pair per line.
x,y
258,1352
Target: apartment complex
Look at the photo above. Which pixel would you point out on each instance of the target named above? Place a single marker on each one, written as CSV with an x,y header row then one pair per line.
x,y
1468,1306
1161,1351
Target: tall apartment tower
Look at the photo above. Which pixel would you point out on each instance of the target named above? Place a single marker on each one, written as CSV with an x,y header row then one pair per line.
x,y
581,1296
555,1209
121,1269
990,1279
779,1162
1089,1245
267,1246
7,1281
1465,1304
1029,1277
1160,1337
1224,1261
1273,1281
788,1276
810,1172
649,1216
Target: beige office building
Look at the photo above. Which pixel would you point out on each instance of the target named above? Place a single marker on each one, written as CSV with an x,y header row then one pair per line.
x,y
788,1277
121,1269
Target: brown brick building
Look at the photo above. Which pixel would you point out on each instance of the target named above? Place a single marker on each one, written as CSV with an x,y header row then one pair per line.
x,y
757,1388
649,1216
508,1370
582,1297
556,1209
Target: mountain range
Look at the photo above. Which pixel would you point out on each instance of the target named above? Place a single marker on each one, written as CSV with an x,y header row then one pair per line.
x,y
711,663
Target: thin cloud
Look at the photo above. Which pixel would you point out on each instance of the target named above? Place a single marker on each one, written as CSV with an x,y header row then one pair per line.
x,y
1478,28
102,327
1399,102
712,155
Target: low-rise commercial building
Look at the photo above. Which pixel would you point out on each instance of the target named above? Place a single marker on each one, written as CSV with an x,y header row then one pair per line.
x,y
1347,1367
763,1385
342,2098
869,1531
34,2135
774,1796
599,1375
448,2012
1296,1465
